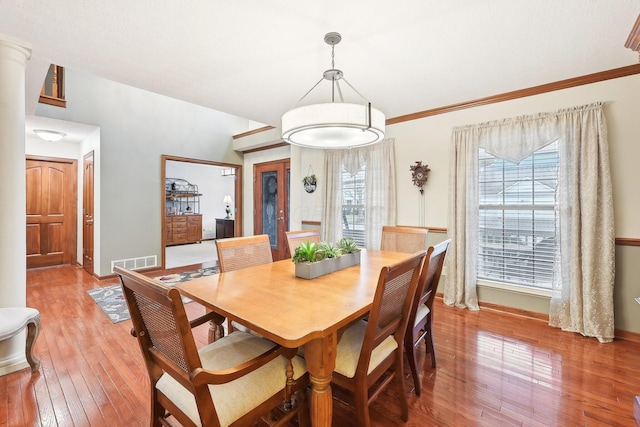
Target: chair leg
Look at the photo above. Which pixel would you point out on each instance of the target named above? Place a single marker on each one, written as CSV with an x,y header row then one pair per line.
x,y
410,351
157,411
288,402
304,418
400,388
361,404
216,330
33,330
431,347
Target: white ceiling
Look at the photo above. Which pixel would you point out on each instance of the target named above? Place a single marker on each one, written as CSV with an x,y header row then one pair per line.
x,y
257,58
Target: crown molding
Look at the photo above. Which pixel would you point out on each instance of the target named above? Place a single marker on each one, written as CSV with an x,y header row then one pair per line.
x,y
507,96
522,93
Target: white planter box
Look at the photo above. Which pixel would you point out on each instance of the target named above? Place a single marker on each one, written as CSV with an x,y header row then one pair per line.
x,y
311,270
348,260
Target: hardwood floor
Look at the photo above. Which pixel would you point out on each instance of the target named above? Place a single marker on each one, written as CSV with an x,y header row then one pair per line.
x,y
493,369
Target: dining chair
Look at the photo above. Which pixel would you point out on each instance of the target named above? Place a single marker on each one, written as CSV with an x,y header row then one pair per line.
x,y
298,237
241,252
421,314
233,381
403,239
369,354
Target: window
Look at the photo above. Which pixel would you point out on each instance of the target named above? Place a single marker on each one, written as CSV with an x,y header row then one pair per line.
x,y
353,211
517,226
52,92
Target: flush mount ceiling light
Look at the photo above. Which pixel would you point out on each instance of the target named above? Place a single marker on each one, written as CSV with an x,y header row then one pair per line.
x,y
49,135
333,125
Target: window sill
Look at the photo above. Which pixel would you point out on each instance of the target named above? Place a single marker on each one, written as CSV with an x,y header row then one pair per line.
x,y
525,290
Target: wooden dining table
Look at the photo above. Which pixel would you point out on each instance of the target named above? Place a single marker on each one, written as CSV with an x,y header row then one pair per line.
x,y
293,312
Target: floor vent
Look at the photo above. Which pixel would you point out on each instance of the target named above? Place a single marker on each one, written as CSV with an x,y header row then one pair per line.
x,y
136,263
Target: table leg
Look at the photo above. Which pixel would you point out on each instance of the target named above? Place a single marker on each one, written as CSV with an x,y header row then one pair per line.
x,y
320,355
216,330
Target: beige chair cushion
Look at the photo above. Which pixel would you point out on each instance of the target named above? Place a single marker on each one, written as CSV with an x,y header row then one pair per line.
x,y
349,348
421,313
236,398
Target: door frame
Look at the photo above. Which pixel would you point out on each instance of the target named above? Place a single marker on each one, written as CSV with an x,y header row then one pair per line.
x,y
283,169
163,176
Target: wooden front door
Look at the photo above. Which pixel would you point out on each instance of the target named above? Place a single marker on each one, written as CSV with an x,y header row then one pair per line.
x,y
271,204
87,209
51,211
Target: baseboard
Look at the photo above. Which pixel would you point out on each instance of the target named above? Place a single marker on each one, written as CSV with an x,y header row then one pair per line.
x,y
141,271
13,364
542,317
628,336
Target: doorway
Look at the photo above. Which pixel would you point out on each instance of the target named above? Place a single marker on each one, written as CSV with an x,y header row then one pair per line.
x,y
271,204
51,207
192,209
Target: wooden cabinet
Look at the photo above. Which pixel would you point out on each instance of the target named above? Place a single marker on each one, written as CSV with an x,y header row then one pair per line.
x,y
181,229
224,228
194,228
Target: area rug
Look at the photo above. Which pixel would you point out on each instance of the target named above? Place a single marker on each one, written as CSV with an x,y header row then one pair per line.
x,y
111,299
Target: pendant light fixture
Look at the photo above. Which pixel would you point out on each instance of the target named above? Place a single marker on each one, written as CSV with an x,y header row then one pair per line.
x,y
336,124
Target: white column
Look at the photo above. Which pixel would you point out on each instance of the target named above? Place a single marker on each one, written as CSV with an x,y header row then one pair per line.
x,y
13,265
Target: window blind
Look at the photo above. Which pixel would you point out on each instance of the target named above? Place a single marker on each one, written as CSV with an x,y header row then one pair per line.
x,y
517,224
353,209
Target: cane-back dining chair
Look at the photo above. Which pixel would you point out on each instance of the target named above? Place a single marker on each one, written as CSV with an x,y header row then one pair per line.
x,y
421,313
404,239
231,382
370,355
298,237
240,252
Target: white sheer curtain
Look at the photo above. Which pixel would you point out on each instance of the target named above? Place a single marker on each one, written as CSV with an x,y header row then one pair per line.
x,y
582,299
380,189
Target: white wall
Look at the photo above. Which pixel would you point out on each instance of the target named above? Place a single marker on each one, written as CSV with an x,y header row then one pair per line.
x,y
428,140
35,146
136,128
213,187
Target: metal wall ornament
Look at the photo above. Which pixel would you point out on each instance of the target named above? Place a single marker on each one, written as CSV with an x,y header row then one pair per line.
x,y
419,174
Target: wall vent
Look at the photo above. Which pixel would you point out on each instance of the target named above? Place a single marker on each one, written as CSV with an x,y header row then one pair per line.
x,y
136,263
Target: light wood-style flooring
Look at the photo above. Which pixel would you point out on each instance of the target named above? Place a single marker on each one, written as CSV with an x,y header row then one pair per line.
x,y
494,369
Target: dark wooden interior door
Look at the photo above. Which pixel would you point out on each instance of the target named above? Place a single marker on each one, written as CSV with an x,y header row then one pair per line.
x,y
51,211
87,209
271,204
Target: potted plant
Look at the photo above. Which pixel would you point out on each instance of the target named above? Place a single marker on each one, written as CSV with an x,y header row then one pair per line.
x,y
309,183
307,259
306,252
329,250
348,246
350,252
317,259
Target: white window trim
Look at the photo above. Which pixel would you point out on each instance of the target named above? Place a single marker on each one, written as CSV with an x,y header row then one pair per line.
x,y
516,289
